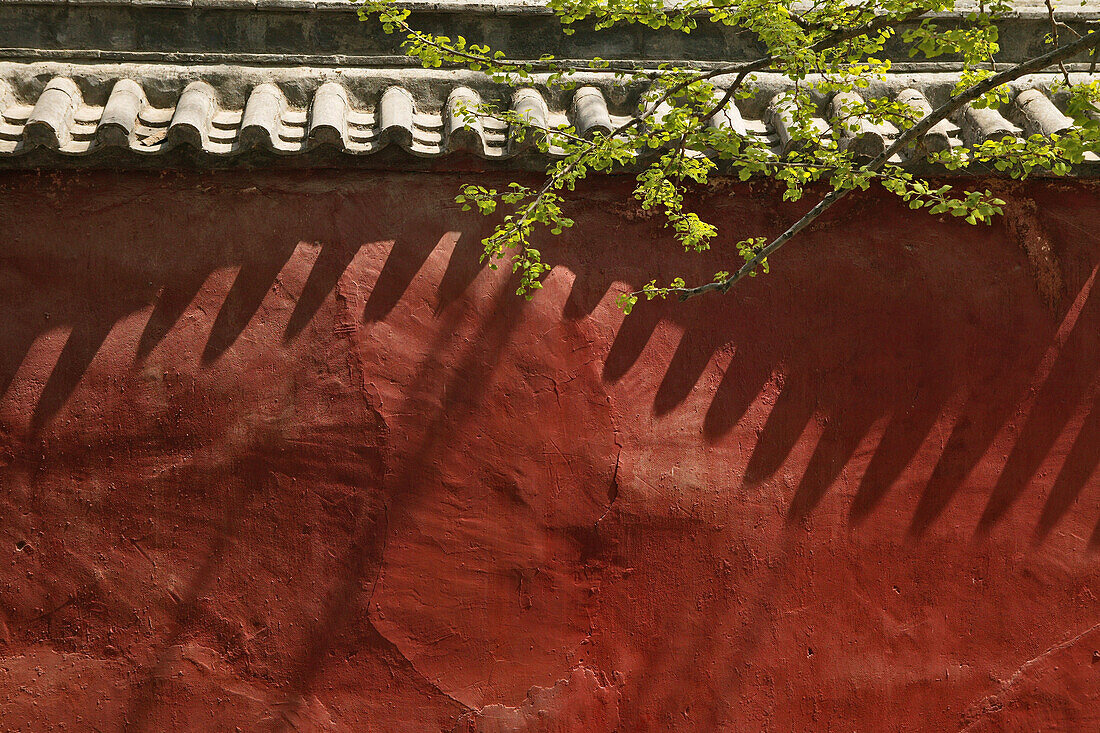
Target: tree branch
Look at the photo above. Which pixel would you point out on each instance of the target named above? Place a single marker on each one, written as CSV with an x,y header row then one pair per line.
x,y
1089,41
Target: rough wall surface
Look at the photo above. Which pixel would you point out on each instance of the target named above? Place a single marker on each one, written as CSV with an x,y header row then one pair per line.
x,y
277,453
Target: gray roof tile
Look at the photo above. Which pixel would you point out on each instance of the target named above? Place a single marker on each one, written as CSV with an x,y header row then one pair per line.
x,y
1039,115
120,114
938,138
221,113
51,121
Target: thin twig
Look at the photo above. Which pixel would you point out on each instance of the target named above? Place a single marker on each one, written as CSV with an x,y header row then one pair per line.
x,y
1054,37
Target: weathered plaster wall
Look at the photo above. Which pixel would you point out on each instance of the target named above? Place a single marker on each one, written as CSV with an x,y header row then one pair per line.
x,y
276,451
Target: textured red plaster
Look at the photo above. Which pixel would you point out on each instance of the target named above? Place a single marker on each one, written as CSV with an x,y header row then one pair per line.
x,y
276,452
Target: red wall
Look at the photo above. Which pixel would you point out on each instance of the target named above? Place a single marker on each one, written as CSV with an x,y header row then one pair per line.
x,y
276,451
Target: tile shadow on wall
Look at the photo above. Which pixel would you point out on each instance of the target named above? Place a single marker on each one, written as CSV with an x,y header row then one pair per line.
x,y
840,365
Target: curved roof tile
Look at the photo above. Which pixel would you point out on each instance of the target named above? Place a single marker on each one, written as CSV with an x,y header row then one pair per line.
x,y
364,115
